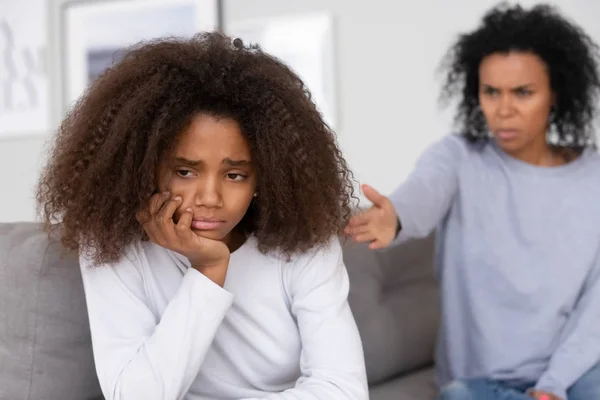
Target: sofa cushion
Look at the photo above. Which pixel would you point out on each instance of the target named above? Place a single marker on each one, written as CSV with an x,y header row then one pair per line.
x,y
45,344
416,386
393,295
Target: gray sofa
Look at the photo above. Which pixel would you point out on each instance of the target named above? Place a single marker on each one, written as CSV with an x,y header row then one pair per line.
x,y
45,350
393,296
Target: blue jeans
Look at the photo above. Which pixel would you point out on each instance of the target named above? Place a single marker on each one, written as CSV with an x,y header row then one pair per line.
x,y
586,388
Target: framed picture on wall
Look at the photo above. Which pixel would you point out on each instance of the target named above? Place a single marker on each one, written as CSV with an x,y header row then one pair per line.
x,y
305,42
24,108
96,33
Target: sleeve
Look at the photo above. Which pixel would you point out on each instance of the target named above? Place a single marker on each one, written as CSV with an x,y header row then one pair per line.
x,y
579,350
137,355
332,361
425,197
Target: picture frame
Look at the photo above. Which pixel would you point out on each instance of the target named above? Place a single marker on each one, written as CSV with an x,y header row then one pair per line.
x,y
94,34
306,43
24,103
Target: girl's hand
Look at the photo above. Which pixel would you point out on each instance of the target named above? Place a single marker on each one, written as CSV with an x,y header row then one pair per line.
x,y
210,257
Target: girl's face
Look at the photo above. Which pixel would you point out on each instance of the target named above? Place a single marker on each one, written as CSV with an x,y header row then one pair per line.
x,y
211,169
515,98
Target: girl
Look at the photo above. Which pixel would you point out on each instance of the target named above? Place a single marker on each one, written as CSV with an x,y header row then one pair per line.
x,y
515,198
204,193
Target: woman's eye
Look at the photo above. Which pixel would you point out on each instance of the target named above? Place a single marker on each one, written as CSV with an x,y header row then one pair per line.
x,y
184,173
523,92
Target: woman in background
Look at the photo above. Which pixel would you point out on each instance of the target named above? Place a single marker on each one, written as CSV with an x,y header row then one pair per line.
x,y
516,200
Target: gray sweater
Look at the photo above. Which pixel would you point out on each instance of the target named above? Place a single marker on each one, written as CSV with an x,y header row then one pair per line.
x,y
518,257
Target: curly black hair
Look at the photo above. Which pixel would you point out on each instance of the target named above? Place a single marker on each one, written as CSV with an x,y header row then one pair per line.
x,y
103,164
570,55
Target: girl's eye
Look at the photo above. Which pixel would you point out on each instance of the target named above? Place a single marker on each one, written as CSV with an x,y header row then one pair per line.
x,y
236,177
184,173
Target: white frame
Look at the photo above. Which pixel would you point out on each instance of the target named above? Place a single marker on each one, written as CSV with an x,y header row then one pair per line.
x,y
325,24
68,64
36,121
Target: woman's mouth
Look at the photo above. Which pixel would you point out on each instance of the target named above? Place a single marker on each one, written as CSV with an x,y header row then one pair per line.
x,y
506,134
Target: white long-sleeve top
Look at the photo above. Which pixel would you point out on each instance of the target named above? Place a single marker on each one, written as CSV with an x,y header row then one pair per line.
x,y
279,329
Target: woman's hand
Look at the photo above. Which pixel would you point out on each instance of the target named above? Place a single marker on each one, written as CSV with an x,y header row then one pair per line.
x,y
378,225
210,257
543,396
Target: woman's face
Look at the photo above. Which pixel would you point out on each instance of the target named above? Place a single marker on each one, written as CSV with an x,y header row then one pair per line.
x,y
211,169
516,100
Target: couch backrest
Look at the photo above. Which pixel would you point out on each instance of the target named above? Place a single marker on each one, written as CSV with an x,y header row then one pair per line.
x,y
394,298
45,345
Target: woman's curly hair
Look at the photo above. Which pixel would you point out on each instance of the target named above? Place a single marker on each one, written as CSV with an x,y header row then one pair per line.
x,y
569,53
103,166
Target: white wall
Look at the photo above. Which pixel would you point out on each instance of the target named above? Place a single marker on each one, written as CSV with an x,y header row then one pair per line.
x,y
20,163
387,52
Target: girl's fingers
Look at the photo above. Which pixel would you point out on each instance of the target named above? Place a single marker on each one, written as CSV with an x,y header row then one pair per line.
x,y
168,209
184,224
156,202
